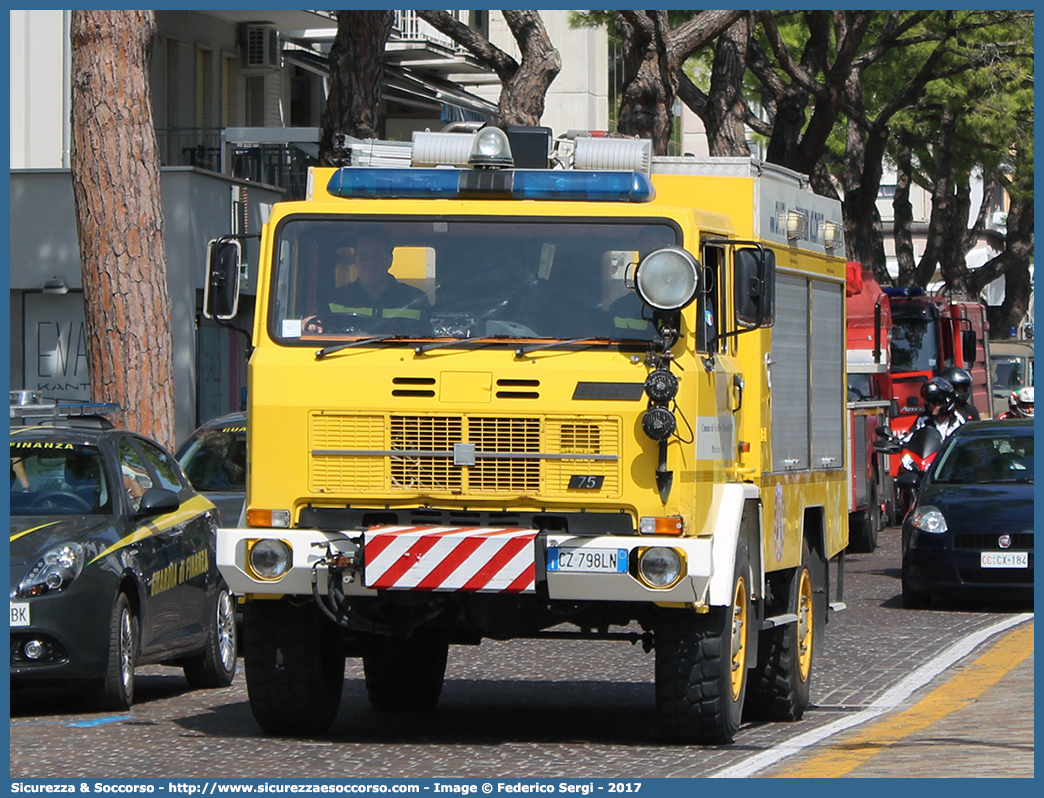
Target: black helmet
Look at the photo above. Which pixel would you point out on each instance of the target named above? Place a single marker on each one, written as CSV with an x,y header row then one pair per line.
x,y
939,391
960,380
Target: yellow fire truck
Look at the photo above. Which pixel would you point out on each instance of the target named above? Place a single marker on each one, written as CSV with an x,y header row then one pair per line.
x,y
600,396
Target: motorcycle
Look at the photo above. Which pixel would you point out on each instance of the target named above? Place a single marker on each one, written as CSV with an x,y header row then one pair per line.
x,y
915,456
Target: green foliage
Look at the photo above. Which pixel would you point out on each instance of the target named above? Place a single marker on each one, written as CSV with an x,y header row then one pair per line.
x,y
988,84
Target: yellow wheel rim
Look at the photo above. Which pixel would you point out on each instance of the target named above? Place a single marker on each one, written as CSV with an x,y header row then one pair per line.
x,y
804,625
740,604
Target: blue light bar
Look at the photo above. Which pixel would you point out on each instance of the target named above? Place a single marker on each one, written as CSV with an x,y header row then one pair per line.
x,y
910,291
515,184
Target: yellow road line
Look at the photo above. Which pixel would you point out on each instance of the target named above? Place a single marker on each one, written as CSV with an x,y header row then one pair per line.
x,y
960,691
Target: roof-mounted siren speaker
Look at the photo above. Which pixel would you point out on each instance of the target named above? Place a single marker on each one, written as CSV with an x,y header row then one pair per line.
x,y
628,155
260,46
441,149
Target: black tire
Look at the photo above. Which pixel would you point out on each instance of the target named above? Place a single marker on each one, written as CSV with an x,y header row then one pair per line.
x,y
698,700
914,599
779,684
403,676
117,689
862,535
294,666
216,666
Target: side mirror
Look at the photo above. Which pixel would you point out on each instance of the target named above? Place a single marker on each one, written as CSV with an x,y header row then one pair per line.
x,y
157,501
755,288
221,290
887,447
968,346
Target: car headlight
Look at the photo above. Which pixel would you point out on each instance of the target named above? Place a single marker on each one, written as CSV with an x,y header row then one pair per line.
x,y
928,519
660,567
269,558
668,278
54,571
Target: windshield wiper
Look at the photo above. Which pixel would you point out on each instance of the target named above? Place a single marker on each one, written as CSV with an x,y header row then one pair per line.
x,y
525,350
420,349
376,339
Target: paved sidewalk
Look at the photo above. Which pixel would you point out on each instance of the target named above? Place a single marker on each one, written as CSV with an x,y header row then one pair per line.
x,y
973,721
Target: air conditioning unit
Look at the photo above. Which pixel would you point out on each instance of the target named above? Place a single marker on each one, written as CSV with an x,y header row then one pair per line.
x,y
260,47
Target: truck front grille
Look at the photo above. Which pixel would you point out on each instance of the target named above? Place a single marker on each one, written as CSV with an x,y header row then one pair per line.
x,y
465,455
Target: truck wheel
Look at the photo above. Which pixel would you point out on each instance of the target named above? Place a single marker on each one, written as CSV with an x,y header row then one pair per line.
x,y
701,666
117,688
404,676
294,667
914,599
779,684
862,535
216,666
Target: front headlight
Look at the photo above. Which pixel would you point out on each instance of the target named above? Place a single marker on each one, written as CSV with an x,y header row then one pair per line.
x,y
269,559
660,567
928,519
54,571
668,278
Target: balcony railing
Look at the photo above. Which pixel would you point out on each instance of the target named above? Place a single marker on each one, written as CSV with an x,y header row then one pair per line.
x,y
281,165
409,26
284,166
179,146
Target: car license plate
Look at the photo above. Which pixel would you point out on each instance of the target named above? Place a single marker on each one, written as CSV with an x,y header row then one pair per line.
x,y
19,614
1004,559
587,561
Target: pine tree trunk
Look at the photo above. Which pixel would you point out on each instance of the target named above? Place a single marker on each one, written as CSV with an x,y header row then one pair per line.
x,y
726,106
356,73
119,216
523,96
647,97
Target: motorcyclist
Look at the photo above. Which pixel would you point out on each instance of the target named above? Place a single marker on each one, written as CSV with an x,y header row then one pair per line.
x,y
1020,404
961,381
940,402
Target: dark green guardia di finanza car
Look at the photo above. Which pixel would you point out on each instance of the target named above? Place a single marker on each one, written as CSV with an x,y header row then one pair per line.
x,y
112,564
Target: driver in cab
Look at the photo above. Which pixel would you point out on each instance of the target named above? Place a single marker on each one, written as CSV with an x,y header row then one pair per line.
x,y
374,294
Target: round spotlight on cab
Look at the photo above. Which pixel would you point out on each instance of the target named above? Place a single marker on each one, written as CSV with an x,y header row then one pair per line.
x,y
34,650
659,423
661,567
668,278
661,386
269,558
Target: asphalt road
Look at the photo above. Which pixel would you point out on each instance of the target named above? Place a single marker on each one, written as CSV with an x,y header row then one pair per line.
x,y
548,709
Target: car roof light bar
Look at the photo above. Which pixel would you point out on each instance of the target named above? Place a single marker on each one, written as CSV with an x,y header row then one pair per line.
x,y
513,184
44,409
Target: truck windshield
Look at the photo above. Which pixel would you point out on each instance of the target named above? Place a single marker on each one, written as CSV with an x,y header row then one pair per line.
x,y
338,278
915,343
1011,373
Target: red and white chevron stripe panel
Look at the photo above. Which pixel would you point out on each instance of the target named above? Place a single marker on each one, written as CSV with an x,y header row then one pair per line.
x,y
450,559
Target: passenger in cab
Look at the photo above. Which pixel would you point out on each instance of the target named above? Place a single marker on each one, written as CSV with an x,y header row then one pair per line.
x,y
628,312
